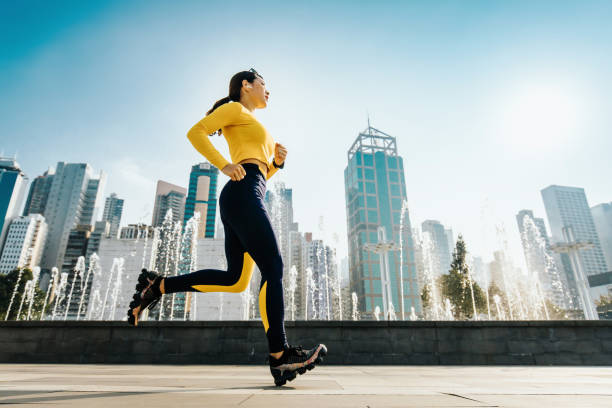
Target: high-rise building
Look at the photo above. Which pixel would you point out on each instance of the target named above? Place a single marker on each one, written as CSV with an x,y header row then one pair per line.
x,y
602,216
24,243
279,204
39,193
439,239
375,190
541,260
450,237
567,207
202,198
13,184
73,199
75,248
168,197
113,208
320,301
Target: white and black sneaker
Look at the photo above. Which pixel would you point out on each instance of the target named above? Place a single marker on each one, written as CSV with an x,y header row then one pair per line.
x,y
295,360
147,295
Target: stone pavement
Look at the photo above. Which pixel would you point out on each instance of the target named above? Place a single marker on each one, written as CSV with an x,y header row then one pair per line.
x,y
58,385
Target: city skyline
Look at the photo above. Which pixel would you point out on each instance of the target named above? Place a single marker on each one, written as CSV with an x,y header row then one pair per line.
x,y
463,110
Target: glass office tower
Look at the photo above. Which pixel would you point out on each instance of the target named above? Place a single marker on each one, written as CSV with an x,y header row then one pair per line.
x,y
375,192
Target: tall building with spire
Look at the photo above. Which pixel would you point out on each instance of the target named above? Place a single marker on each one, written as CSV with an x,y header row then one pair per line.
x,y
375,192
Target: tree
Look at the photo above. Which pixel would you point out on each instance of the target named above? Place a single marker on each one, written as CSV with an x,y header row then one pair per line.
x,y
7,286
456,286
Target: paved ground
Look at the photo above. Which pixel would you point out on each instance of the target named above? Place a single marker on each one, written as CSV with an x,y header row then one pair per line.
x,y
132,386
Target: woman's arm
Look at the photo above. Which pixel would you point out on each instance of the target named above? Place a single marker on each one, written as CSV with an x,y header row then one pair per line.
x,y
280,154
224,115
271,170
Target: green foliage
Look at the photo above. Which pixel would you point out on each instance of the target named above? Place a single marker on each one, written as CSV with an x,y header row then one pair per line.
x,y
604,301
456,286
7,286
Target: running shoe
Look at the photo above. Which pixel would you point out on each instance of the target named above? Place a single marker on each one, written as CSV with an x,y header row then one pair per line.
x,y
295,360
147,295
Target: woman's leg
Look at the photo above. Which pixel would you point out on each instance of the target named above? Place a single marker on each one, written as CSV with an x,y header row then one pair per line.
x,y
236,279
254,228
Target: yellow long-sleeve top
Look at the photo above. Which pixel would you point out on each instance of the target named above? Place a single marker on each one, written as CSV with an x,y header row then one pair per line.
x,y
246,137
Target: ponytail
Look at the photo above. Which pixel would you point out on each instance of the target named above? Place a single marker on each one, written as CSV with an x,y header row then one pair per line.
x,y
234,91
220,102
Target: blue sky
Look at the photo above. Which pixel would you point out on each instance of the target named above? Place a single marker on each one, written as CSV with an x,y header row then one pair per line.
x,y
490,101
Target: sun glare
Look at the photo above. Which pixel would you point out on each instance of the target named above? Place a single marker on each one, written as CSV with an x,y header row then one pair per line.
x,y
540,116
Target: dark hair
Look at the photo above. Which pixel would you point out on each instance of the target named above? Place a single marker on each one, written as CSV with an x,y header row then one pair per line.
x,y
235,86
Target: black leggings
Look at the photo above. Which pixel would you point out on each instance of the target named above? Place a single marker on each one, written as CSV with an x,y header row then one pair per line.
x,y
248,236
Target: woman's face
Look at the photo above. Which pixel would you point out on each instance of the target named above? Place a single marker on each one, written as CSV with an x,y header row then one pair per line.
x,y
258,93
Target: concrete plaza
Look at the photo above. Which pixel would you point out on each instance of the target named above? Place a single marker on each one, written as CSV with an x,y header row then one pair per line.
x,y
89,385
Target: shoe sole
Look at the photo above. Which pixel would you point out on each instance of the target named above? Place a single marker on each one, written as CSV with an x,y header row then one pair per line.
x,y
290,374
141,284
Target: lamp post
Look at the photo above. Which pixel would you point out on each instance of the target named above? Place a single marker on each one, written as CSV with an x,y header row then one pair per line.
x,y
572,248
382,248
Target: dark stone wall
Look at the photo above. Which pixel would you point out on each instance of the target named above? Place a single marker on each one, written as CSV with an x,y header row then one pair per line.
x,y
369,342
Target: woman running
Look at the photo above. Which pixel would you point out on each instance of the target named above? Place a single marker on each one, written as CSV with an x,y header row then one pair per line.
x,y
249,237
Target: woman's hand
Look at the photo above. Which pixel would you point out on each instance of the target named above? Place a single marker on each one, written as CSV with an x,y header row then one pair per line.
x,y
280,153
235,171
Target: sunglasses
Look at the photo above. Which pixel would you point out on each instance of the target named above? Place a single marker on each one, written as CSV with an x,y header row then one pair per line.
x,y
255,72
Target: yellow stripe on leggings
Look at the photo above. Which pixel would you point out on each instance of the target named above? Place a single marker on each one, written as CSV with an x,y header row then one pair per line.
x,y
262,306
245,277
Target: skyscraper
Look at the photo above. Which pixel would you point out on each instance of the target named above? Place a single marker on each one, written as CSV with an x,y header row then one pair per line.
x,y
202,198
279,204
13,184
451,241
568,207
39,193
168,197
73,198
375,190
113,208
440,240
75,248
541,260
24,243
602,216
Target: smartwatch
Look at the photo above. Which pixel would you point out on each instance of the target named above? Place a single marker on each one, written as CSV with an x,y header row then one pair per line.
x,y
276,165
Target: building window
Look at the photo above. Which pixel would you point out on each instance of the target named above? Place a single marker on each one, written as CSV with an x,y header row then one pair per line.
x,y
369,174
370,188
372,216
393,176
376,285
367,160
371,200
395,190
